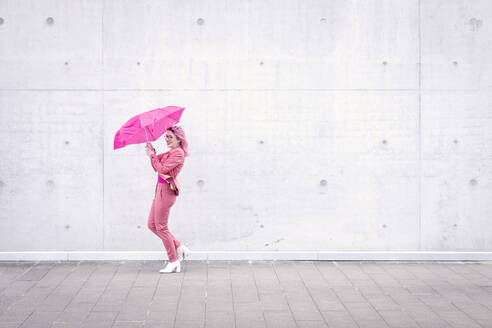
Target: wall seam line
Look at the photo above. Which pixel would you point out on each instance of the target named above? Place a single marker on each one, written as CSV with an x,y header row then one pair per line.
x,y
420,127
103,131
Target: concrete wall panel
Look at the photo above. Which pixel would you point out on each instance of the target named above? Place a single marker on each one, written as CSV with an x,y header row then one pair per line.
x,y
51,170
456,44
51,44
456,170
260,45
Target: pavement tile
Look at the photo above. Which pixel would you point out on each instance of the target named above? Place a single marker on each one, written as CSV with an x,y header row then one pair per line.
x,y
96,325
100,317
18,288
196,315
163,305
10,324
40,319
72,317
274,304
305,310
339,319
459,319
105,307
220,319
383,302
327,301
65,325
160,316
17,313
38,294
126,324
279,319
159,325
398,319
189,324
219,305
249,316
311,324
132,315
249,323
77,306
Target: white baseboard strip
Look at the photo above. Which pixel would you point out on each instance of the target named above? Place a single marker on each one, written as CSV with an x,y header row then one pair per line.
x,y
247,255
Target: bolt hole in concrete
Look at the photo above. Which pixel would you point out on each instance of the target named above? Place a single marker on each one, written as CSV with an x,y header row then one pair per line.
x,y
262,142
475,23
384,142
67,227
384,226
455,63
455,141
473,182
385,63
1,20
67,142
262,226
261,63
323,183
200,183
50,184
138,227
50,20
138,63
200,21
322,20
66,63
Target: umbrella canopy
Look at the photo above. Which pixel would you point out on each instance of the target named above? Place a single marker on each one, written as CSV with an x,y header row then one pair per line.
x,y
148,126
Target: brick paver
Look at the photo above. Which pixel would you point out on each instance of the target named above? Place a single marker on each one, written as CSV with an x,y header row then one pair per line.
x,y
246,294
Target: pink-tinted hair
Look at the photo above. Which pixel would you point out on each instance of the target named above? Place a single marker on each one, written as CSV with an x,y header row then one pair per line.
x,y
180,134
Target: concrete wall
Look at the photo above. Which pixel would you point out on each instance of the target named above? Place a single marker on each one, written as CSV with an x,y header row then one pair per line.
x,y
313,125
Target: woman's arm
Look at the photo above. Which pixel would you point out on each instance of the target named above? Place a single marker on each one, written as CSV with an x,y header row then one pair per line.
x,y
152,162
175,158
149,149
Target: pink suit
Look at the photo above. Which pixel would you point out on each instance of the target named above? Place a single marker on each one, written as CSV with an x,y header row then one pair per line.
x,y
168,163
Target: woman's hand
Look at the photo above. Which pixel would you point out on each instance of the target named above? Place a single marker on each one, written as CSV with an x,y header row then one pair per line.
x,y
164,176
149,149
149,145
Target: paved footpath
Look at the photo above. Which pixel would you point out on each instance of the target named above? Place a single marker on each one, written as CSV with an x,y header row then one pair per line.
x,y
246,294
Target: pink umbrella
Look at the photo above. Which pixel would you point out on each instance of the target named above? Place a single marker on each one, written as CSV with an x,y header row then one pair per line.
x,y
148,126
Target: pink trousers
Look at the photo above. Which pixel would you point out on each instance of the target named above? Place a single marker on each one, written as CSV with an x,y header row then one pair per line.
x,y
163,200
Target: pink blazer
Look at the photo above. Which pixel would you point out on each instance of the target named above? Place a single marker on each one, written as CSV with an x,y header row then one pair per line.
x,y
169,163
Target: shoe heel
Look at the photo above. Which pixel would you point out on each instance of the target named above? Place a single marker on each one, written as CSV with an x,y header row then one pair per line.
x,y
178,267
186,252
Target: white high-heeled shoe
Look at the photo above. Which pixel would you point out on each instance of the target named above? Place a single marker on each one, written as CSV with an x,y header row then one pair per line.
x,y
183,252
171,267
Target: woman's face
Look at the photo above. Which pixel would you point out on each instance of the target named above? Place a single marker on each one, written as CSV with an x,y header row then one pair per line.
x,y
171,140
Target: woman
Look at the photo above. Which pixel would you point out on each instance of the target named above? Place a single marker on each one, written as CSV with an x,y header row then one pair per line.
x,y
168,165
